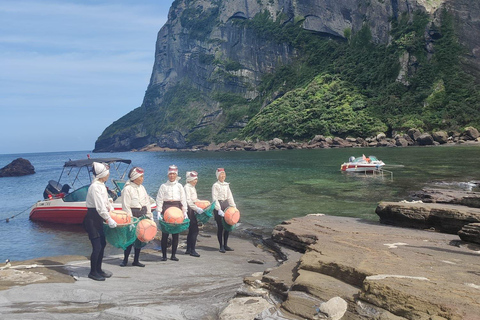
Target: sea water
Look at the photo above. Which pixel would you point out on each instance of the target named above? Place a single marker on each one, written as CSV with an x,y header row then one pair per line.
x,y
268,187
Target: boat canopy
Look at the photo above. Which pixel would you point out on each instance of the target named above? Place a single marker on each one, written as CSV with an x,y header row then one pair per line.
x,y
89,162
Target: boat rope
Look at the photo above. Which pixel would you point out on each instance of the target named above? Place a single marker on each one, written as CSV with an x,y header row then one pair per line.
x,y
15,215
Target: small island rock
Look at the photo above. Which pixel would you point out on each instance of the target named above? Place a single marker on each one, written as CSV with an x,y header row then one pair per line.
x,y
18,167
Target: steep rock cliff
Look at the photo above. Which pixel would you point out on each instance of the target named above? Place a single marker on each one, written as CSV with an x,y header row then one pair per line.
x,y
209,64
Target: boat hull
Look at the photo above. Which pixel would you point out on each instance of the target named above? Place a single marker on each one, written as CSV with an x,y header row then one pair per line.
x,y
59,211
351,167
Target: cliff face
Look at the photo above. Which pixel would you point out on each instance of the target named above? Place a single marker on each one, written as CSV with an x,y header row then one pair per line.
x,y
206,56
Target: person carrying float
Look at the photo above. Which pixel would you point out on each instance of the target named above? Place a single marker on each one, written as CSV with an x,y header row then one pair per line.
x,y
98,211
136,203
223,198
193,210
171,194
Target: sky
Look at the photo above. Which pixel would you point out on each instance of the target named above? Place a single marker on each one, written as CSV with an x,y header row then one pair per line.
x,y
68,69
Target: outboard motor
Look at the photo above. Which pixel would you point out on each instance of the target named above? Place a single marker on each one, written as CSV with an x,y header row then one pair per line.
x,y
351,159
53,188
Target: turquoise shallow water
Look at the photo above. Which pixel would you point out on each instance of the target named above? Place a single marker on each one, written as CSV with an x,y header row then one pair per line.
x,y
268,187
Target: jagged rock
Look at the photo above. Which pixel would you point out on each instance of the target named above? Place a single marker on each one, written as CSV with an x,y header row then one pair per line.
x,y
441,217
425,139
16,168
470,233
440,136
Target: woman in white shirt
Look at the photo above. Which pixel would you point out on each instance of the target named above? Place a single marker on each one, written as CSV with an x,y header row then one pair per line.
x,y
98,211
136,202
171,194
223,198
193,210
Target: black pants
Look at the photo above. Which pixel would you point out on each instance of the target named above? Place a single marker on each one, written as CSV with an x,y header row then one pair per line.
x,y
96,258
192,231
165,235
93,224
137,213
222,234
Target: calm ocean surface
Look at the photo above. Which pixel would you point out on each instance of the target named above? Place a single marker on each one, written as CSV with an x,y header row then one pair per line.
x,y
268,187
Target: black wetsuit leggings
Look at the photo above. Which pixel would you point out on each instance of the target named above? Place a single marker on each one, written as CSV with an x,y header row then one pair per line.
x,y
192,231
96,258
222,234
164,241
138,213
93,224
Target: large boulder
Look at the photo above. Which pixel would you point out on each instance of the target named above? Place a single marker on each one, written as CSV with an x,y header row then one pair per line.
x,y
470,133
18,167
425,139
440,136
413,133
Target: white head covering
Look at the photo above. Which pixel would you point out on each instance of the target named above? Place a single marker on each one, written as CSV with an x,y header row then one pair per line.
x,y
173,169
191,175
100,170
135,173
219,170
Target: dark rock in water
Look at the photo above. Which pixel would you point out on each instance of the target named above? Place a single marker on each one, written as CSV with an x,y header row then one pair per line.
x,y
470,233
18,167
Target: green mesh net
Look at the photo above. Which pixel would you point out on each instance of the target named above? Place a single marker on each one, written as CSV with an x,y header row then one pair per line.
x,y
206,214
123,235
226,226
174,228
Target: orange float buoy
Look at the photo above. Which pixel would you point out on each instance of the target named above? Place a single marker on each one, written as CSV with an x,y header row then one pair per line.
x,y
203,204
232,215
120,216
146,230
173,215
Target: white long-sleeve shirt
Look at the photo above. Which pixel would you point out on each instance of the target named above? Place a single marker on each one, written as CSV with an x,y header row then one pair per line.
x,y
97,198
171,191
135,196
191,195
221,191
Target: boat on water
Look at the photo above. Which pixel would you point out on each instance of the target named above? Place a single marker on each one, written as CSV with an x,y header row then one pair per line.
x,y
362,164
64,200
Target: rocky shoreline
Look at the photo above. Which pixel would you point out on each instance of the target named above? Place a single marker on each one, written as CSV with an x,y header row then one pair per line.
x,y
413,137
312,267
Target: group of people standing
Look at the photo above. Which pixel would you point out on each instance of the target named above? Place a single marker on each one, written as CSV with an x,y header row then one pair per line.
x,y
136,202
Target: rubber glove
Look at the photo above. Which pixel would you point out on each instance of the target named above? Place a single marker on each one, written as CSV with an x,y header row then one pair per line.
x,y
221,213
111,223
159,216
199,210
185,215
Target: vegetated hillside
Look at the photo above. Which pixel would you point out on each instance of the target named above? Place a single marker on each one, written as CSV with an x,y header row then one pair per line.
x,y
266,69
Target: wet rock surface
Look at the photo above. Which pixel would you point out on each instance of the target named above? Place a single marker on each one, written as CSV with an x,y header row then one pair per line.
x,y
192,288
